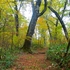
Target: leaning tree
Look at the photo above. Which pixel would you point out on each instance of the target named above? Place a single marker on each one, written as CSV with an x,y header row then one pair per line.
x,y
35,16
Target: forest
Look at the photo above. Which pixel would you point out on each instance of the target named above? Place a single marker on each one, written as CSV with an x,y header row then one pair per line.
x,y
34,34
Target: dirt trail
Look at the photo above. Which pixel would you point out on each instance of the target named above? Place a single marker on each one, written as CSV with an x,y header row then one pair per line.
x,y
35,61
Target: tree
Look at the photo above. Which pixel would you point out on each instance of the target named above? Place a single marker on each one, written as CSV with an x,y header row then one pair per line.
x,y
63,26
17,15
16,19
30,31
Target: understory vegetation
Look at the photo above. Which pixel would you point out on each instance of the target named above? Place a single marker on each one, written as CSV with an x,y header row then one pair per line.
x,y
7,57
56,52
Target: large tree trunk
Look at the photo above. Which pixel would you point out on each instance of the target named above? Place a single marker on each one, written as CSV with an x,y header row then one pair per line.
x,y
30,32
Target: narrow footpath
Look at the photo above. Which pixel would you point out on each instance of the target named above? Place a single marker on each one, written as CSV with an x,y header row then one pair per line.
x,y
36,61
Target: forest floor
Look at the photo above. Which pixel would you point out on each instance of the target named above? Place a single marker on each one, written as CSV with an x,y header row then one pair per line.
x,y
36,61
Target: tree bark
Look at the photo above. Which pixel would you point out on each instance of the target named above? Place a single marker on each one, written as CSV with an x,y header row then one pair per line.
x,y
30,32
16,19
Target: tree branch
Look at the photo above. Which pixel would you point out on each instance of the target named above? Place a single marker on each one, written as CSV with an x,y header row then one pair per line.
x,y
20,5
45,6
62,12
64,9
61,21
38,3
32,3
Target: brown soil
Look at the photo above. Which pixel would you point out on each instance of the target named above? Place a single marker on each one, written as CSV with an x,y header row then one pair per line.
x,y
36,61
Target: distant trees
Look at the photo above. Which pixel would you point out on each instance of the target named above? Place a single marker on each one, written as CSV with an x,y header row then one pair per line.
x,y
9,22
14,28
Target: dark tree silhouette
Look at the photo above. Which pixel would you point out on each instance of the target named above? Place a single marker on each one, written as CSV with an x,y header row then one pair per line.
x,y
30,32
16,19
65,31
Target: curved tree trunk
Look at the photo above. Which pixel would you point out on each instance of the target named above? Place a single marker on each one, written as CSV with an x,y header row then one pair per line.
x,y
65,31
30,32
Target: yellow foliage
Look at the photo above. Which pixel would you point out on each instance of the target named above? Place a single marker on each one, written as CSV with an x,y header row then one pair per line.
x,y
40,20
42,23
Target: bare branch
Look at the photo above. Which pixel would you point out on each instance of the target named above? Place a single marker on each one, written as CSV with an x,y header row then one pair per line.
x,y
32,3
20,5
64,9
45,6
62,12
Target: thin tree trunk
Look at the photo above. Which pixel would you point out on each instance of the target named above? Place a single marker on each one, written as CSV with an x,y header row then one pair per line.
x,y
16,19
61,21
50,39
49,31
16,22
65,31
56,29
30,32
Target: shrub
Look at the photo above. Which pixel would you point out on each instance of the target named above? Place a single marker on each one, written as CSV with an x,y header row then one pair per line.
x,y
36,46
7,58
56,52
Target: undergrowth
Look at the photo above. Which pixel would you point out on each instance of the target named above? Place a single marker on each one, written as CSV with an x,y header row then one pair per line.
x,y
7,57
36,46
56,54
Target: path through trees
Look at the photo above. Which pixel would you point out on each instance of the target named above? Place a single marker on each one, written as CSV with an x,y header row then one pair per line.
x,y
36,61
